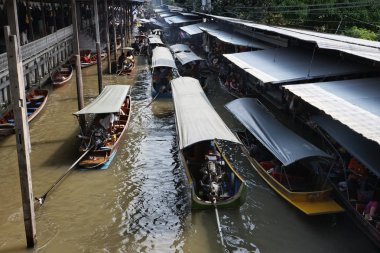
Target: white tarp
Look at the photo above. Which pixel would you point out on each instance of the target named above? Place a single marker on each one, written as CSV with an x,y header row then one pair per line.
x,y
179,48
293,64
162,57
234,38
155,39
355,103
194,29
186,57
196,118
109,100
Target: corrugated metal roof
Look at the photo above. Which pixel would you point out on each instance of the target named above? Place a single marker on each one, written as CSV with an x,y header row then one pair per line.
x,y
234,38
359,47
186,57
293,64
179,48
355,103
179,20
194,29
158,23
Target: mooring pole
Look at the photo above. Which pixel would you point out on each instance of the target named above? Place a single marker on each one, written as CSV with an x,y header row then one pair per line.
x,y
98,50
114,31
82,120
17,86
108,37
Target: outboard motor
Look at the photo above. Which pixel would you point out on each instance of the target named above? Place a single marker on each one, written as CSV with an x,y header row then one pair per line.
x,y
212,180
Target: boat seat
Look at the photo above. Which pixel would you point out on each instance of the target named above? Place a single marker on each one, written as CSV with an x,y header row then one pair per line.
x,y
11,121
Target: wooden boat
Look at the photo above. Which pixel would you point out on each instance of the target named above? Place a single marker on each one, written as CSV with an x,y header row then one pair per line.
x,y
164,70
126,65
91,59
102,137
212,179
190,64
287,162
35,101
337,135
62,75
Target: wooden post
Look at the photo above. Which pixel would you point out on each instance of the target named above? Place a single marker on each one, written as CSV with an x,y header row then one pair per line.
x,y
82,120
127,23
108,37
44,20
99,59
122,25
30,20
114,30
62,14
16,78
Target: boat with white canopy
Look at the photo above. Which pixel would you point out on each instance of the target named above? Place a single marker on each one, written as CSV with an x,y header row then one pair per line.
x,y
212,179
109,115
288,163
164,70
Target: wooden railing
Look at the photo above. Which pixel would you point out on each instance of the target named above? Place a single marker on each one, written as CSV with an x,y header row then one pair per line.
x,y
36,47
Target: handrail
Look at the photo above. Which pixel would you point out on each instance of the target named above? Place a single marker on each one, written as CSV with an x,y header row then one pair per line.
x,y
35,47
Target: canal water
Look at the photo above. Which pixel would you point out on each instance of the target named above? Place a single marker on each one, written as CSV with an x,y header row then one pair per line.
x,y
140,203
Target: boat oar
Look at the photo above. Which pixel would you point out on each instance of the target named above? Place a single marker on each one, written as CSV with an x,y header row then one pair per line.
x,y
158,93
41,199
218,222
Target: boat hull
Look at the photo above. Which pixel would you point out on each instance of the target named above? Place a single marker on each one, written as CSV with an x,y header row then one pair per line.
x,y
101,158
36,100
310,203
198,203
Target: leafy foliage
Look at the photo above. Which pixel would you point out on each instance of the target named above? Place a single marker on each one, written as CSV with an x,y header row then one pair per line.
x,y
333,16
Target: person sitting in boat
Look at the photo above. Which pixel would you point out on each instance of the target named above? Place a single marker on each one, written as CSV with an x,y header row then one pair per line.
x,y
85,59
107,121
121,59
130,59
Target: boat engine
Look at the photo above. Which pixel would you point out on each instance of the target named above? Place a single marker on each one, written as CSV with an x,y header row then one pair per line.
x,y
212,180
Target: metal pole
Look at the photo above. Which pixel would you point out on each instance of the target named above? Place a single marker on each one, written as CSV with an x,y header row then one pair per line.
x,y
16,78
108,37
78,70
98,58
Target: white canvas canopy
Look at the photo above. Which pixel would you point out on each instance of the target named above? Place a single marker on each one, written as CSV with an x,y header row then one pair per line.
x,y
179,48
196,118
162,58
109,101
186,57
155,39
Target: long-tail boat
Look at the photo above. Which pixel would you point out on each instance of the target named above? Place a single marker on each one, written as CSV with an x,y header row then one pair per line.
x,y
110,114
62,75
35,101
212,179
288,163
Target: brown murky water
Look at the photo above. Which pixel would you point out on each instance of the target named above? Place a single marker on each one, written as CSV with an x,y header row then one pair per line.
x,y
140,204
